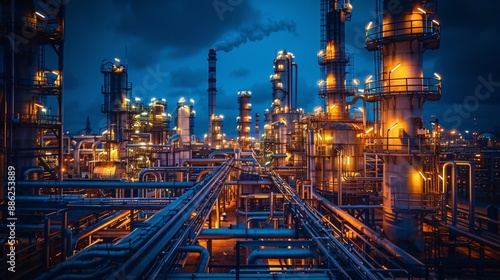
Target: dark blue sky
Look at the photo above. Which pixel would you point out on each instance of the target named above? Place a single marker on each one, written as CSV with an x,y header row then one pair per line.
x,y
165,44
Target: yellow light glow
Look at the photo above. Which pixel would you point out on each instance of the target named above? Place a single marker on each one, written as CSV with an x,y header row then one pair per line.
x,y
369,25
395,67
436,22
422,10
422,175
369,130
437,76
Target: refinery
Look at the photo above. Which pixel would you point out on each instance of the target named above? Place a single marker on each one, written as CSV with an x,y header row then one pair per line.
x,y
362,187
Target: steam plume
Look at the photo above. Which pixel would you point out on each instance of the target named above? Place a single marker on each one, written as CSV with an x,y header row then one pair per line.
x,y
255,32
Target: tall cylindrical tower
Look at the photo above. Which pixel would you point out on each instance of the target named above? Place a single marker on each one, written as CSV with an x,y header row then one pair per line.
x,y
117,93
212,89
282,79
333,59
183,121
217,137
244,119
159,120
257,126
410,169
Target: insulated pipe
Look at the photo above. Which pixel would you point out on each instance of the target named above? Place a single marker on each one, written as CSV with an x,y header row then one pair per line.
x,y
98,274
202,161
97,227
94,146
204,256
161,228
394,250
254,233
28,172
280,253
475,237
454,186
147,171
227,152
202,174
104,184
453,193
71,265
76,153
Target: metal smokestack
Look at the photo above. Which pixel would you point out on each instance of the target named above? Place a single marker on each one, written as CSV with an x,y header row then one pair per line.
x,y
212,89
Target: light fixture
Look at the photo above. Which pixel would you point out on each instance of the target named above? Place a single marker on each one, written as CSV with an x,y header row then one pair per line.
x,y
393,126
395,67
369,25
437,76
422,175
436,22
422,10
368,79
40,14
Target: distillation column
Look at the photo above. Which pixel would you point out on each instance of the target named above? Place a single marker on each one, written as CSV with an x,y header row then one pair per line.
x,y
244,119
337,150
409,165
333,58
282,79
117,93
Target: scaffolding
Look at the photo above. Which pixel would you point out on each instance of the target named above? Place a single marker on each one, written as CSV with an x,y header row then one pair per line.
x,y
31,87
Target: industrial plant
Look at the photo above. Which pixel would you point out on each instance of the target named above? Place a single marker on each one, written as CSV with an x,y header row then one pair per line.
x,y
327,194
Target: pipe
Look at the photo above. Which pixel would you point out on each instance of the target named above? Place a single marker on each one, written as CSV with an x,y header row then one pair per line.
x,y
280,253
98,274
477,238
227,152
147,171
159,229
94,146
453,192
394,250
204,256
201,161
174,138
202,174
254,233
104,184
56,270
76,153
27,173
97,227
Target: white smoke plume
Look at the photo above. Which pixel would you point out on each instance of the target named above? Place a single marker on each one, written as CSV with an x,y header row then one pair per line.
x,y
255,32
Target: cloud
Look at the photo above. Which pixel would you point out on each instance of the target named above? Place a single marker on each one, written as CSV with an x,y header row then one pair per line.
x,y
240,73
254,32
186,77
179,27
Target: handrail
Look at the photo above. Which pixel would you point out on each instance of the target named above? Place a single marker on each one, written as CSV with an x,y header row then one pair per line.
x,y
414,85
414,28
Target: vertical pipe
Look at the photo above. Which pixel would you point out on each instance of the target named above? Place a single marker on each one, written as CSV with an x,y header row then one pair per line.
x,y
46,242
64,243
62,12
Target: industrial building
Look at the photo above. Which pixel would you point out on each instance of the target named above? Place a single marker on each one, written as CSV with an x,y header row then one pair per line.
x,y
328,194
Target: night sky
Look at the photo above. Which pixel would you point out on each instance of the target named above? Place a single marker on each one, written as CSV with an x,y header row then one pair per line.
x,y
165,44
